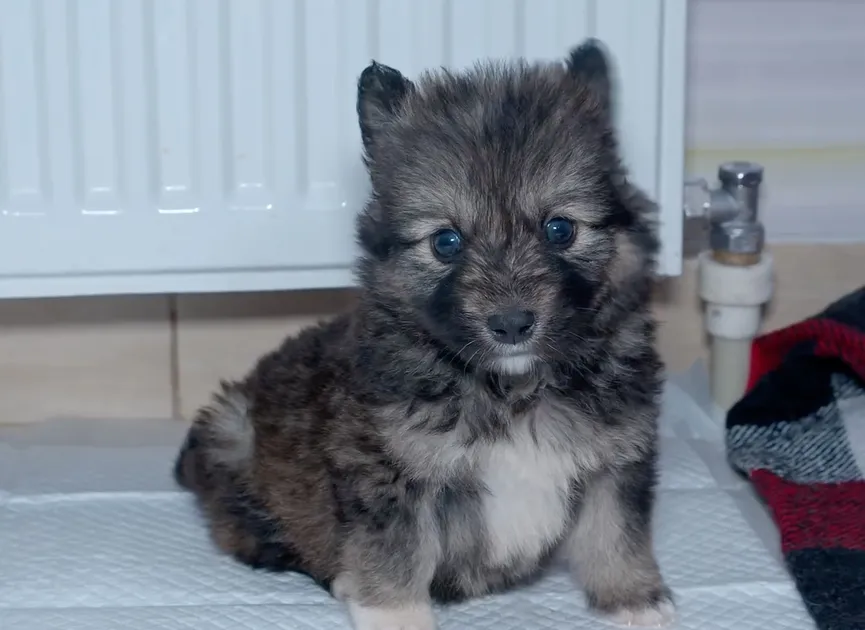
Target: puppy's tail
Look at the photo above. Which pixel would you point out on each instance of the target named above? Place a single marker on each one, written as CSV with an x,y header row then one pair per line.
x,y
221,441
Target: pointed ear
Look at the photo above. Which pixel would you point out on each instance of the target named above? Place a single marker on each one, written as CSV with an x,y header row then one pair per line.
x,y
380,92
588,64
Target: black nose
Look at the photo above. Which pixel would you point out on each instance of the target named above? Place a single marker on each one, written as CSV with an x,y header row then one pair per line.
x,y
512,326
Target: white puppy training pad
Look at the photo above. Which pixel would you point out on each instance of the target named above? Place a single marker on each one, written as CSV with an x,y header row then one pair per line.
x,y
94,536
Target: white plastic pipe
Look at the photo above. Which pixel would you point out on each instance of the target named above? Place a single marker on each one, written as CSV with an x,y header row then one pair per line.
x,y
734,297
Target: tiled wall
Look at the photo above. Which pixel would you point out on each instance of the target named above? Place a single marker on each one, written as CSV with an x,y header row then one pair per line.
x,y
778,82
159,357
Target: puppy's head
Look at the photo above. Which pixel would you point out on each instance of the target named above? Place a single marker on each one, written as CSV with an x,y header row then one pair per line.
x,y
501,220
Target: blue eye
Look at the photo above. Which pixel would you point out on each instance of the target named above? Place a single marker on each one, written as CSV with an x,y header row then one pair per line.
x,y
559,231
446,244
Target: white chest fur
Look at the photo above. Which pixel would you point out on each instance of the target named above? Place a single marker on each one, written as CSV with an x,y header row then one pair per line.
x,y
526,504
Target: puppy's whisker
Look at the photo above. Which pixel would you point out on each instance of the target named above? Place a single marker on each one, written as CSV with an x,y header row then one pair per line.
x,y
458,354
467,363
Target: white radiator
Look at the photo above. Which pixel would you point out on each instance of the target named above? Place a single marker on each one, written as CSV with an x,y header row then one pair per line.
x,y
170,146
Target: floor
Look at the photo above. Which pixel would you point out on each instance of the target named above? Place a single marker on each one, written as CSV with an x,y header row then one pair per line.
x,y
94,536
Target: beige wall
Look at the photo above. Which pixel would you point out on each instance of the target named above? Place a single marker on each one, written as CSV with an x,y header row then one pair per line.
x,y
156,357
784,86
765,89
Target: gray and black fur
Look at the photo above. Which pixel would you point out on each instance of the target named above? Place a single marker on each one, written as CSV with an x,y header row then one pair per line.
x,y
399,452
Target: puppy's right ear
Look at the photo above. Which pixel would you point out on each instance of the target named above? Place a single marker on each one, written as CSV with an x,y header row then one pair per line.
x,y
380,92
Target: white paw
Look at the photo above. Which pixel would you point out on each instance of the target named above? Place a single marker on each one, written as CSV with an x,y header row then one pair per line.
x,y
342,588
415,617
653,617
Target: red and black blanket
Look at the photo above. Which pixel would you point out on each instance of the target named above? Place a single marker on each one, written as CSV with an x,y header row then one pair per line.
x,y
799,434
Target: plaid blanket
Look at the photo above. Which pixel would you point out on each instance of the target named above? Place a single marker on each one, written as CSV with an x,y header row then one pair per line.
x,y
799,434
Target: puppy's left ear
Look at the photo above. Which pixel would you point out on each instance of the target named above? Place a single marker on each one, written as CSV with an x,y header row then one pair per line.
x,y
381,91
589,64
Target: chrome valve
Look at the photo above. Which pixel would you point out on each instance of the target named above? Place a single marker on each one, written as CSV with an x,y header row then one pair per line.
x,y
731,208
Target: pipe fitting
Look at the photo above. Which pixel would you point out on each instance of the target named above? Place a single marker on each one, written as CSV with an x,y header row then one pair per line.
x,y
731,211
734,295
737,237
735,275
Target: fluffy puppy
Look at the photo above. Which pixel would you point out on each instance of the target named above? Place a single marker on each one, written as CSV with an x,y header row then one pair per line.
x,y
493,397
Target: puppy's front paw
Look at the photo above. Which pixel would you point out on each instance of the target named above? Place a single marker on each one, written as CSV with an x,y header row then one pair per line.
x,y
411,617
658,615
